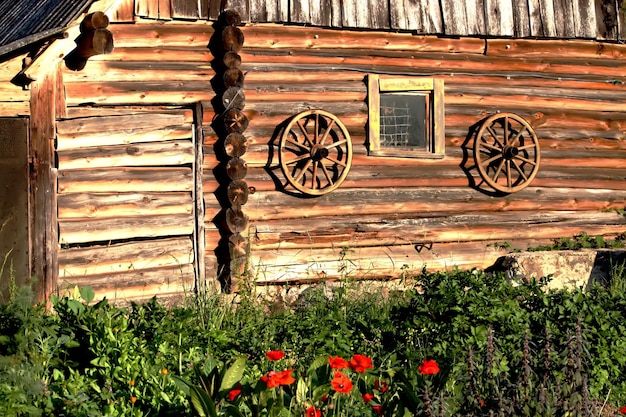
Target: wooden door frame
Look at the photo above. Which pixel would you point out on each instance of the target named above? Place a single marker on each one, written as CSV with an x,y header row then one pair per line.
x,y
198,198
47,103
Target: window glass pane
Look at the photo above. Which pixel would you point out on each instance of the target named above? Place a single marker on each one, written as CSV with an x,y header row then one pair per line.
x,y
403,120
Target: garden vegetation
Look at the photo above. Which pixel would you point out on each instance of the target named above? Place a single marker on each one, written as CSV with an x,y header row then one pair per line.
x,y
461,343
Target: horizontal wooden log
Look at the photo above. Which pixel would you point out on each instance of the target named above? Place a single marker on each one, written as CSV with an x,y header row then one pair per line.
x,y
198,54
282,36
106,123
112,180
575,49
141,285
335,263
123,137
295,267
114,229
276,205
125,257
171,33
95,111
117,130
14,108
159,93
94,206
401,63
10,92
390,230
178,152
442,175
10,67
135,70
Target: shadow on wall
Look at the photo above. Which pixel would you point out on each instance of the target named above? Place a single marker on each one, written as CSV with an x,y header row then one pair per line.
x,y
229,123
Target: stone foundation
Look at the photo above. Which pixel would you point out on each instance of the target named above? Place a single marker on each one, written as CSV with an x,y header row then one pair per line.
x,y
566,268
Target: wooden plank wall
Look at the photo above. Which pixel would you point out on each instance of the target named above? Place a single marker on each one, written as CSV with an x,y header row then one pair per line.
x,y
390,212
588,19
125,203
13,99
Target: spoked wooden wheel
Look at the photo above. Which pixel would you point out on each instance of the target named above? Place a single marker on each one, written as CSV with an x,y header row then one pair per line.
x,y
315,152
506,151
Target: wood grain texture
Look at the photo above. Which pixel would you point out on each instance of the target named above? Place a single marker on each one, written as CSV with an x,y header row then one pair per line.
x,y
125,257
42,230
454,17
185,9
91,205
125,12
84,230
142,285
523,18
375,230
119,130
124,179
570,91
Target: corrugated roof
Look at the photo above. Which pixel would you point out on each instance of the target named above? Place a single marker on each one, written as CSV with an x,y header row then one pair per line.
x,y
25,22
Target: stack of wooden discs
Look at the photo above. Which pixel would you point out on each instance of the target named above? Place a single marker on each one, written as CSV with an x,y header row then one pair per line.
x,y
235,143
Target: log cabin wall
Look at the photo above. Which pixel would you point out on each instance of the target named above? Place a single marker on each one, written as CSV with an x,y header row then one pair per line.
x,y
125,199
397,212
391,213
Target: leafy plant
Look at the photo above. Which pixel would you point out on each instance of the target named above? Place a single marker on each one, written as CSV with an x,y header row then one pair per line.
x,y
501,350
582,241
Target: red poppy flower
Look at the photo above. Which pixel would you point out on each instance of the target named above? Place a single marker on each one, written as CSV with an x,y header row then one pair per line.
x,y
367,397
378,409
429,367
381,386
313,412
275,355
623,410
275,379
341,383
360,363
285,377
270,379
337,362
233,393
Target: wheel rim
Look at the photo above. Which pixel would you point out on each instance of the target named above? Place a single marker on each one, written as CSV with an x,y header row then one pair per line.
x,y
315,152
506,152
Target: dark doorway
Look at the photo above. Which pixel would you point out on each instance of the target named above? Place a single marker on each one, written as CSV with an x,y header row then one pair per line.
x,y
14,246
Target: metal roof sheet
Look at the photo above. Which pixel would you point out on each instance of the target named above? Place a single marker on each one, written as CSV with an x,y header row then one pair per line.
x,y
25,22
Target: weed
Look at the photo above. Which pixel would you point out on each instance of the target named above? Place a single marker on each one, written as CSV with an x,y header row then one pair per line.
x,y
581,241
502,349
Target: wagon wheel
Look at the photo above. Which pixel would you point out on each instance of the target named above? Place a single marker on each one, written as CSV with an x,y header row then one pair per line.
x,y
506,151
315,152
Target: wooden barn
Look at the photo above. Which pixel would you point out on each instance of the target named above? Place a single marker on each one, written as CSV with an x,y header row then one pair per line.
x,y
156,147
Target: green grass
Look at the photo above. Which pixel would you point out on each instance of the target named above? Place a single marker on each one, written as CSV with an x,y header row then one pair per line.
x,y
503,349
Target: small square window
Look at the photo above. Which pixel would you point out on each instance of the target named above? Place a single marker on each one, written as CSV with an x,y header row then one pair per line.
x,y
406,117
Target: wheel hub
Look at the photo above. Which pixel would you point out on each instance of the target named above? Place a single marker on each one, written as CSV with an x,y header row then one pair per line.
x,y
319,152
510,152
